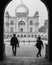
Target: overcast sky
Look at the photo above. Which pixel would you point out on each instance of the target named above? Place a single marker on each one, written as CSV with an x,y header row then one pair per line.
x,y
33,6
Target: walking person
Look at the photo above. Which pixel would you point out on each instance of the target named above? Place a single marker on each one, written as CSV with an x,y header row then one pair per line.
x,y
39,45
14,42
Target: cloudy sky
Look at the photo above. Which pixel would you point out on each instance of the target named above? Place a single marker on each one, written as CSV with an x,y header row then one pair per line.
x,y
33,6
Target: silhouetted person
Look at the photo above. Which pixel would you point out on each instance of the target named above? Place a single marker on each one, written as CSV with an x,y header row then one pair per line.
x,y
14,42
39,45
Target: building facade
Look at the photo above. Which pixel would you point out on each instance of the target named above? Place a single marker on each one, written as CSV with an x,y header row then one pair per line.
x,y
21,23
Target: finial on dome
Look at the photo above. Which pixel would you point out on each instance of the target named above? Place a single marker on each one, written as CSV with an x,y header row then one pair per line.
x,y
21,1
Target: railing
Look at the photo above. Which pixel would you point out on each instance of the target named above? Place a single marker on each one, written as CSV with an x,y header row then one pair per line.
x,y
24,41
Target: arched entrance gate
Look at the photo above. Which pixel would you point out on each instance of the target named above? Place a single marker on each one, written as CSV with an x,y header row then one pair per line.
x,y
8,25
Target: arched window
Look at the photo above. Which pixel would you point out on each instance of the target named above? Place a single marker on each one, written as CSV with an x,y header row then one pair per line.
x,y
21,35
21,30
12,22
30,29
21,23
31,35
31,22
28,35
18,35
24,35
10,35
11,29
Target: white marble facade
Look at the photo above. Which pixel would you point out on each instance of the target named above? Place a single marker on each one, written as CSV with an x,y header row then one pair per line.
x,y
21,22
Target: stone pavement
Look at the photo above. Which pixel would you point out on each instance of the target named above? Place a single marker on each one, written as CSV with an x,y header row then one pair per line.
x,y
25,61
25,50
26,55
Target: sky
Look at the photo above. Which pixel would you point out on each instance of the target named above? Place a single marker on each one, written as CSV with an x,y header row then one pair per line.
x,y
33,6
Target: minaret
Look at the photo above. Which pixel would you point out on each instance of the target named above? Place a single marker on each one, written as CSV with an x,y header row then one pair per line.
x,y
21,1
6,21
36,16
46,26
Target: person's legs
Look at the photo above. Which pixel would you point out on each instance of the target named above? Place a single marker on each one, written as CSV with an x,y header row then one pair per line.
x,y
18,45
13,49
37,53
40,52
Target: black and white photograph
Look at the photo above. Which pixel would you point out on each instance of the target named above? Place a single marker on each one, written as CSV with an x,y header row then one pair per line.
x,y
26,33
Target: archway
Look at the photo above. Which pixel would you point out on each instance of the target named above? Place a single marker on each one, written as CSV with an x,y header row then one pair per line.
x,y
43,26
21,25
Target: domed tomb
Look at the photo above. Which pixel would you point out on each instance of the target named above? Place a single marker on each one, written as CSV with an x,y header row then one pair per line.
x,y
22,10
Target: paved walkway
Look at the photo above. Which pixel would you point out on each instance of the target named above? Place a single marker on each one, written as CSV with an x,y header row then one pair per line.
x,y
25,50
25,61
26,55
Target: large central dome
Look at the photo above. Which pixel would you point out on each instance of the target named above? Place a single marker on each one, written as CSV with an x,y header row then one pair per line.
x,y
22,10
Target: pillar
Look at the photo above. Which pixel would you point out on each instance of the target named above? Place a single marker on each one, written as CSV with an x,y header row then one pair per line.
x,y
2,47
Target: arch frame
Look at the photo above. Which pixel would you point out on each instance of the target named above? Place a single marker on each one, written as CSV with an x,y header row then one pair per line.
x,y
48,46
41,0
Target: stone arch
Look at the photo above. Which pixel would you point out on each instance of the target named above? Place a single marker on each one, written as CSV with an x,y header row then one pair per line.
x,y
47,46
5,5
